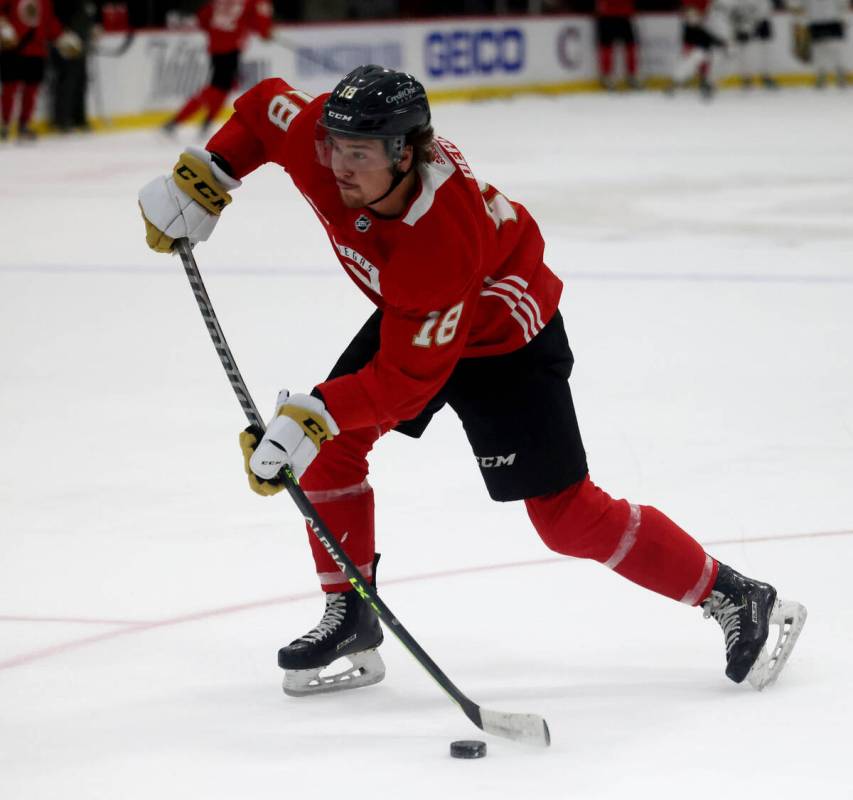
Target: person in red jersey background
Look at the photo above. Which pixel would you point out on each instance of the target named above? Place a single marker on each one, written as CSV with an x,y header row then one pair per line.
x,y
26,29
613,24
467,316
228,24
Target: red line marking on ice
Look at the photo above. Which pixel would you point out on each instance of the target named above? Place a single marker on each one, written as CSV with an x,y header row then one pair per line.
x,y
129,627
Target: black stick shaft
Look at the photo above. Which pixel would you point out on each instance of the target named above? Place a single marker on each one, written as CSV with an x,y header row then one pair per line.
x,y
312,518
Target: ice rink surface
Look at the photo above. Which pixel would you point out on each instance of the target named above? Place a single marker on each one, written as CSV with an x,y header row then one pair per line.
x,y
707,254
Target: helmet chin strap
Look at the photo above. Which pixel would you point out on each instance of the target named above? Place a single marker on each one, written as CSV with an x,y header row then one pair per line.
x,y
396,179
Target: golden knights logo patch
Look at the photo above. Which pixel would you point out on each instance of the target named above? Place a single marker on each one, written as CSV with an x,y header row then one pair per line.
x,y
362,223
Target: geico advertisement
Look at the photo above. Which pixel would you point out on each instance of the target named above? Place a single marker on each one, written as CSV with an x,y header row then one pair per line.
x,y
474,52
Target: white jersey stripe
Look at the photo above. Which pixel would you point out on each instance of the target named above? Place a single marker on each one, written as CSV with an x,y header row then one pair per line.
x,y
695,594
328,495
513,304
628,540
327,578
524,303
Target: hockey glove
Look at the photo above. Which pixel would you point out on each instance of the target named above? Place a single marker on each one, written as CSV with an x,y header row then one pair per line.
x,y
249,439
69,45
187,203
8,35
300,425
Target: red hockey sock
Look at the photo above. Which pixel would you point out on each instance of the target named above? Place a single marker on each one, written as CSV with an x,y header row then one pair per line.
x,y
348,513
190,107
336,483
28,102
605,60
214,99
7,100
637,542
631,59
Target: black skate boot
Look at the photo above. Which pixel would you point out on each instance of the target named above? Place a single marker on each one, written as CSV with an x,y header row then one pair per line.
x,y
745,610
349,629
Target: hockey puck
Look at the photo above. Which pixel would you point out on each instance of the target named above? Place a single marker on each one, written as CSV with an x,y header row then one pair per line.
x,y
467,748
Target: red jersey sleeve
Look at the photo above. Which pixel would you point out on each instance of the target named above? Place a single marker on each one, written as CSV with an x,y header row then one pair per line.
x,y
258,131
431,297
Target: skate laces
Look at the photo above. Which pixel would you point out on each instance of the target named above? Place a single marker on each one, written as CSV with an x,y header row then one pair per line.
x,y
336,609
722,609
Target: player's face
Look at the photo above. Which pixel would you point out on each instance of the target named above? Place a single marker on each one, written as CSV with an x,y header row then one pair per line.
x,y
361,168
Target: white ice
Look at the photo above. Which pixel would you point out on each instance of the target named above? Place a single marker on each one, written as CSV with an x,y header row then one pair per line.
x,y
706,253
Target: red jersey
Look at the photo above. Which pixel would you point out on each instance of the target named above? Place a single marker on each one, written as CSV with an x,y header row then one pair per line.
x,y
614,8
35,24
458,274
229,22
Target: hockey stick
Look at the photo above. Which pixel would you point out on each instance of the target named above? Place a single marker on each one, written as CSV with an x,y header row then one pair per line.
x,y
519,727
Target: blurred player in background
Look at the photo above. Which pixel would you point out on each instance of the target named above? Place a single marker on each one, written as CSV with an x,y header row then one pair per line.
x,y
706,38
228,24
826,28
26,29
753,32
614,24
467,316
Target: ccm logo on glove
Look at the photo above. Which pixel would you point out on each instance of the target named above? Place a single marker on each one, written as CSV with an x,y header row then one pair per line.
x,y
300,426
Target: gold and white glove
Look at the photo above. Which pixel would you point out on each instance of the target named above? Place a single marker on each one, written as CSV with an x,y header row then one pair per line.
x,y
69,45
187,203
293,438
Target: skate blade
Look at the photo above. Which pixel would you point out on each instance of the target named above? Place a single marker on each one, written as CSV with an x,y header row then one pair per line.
x,y
790,617
366,668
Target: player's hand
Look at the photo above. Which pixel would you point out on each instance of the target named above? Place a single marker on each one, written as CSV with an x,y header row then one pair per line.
x,y
293,438
249,439
187,203
69,45
8,35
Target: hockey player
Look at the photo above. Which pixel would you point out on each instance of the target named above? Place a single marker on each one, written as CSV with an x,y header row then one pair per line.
x,y
826,23
26,28
467,316
754,36
705,37
614,24
228,24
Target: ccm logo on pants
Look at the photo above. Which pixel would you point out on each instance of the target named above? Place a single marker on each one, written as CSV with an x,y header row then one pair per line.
x,y
496,461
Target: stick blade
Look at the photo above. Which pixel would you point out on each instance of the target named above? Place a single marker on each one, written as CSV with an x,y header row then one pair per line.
x,y
529,728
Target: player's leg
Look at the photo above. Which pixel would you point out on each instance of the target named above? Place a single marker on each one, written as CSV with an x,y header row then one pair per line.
x,y
32,73
192,106
822,53
10,82
763,42
694,55
337,485
519,416
604,44
630,42
226,67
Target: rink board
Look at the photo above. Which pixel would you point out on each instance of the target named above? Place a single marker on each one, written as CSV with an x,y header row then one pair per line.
x,y
455,59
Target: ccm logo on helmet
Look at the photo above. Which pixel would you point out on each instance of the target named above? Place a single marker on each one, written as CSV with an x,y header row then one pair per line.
x,y
474,52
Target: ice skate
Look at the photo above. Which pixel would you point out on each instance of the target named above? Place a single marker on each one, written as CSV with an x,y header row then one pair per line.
x,y
4,133
26,134
745,610
350,630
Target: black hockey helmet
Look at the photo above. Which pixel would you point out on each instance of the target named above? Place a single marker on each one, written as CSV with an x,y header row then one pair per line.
x,y
377,103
